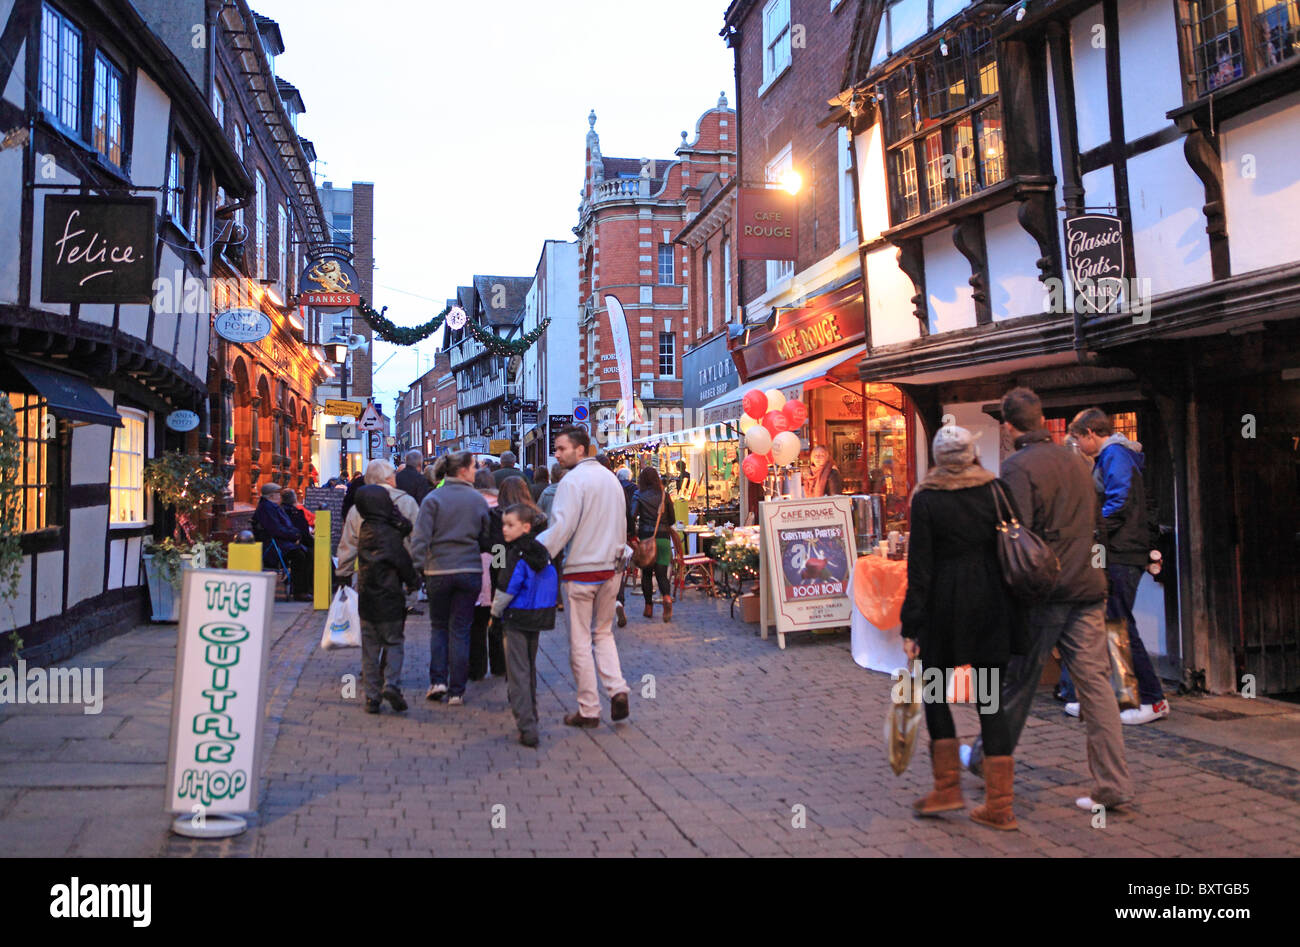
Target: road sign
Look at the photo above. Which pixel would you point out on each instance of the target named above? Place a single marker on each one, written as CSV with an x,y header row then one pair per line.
x,y
581,410
476,445
347,432
499,446
376,443
371,420
347,409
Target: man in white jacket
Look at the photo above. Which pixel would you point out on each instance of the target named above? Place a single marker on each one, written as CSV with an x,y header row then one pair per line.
x,y
589,525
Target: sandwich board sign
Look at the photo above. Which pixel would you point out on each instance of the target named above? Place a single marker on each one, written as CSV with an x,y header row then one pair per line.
x,y
215,751
807,552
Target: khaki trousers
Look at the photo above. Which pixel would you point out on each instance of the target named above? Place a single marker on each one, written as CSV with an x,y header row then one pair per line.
x,y
590,613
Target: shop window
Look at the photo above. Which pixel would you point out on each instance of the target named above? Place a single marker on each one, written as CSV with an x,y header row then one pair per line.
x,y
1227,40
260,223
107,110
39,465
943,126
61,45
126,470
776,39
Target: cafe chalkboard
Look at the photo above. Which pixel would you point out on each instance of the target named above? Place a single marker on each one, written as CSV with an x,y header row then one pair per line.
x,y
327,498
98,249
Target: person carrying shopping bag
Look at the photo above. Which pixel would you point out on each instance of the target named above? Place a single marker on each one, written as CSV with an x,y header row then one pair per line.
x,y
654,521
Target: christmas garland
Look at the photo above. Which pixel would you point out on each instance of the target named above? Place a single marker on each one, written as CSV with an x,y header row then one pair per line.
x,y
387,330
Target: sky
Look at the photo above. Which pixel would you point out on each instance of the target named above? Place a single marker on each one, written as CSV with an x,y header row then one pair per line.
x,y
470,118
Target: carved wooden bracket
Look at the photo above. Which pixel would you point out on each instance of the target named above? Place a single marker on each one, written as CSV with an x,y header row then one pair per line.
x,y
968,238
1037,215
1202,153
911,260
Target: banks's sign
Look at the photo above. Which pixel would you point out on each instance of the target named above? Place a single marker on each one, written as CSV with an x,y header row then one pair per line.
x,y
98,250
1094,246
330,283
768,224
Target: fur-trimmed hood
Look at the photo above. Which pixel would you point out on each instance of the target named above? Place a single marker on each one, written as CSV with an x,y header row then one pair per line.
x,y
948,478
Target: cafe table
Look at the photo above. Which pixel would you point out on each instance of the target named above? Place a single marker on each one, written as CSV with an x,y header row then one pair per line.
x,y
877,590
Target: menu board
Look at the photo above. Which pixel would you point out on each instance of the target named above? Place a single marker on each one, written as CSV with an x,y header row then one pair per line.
x,y
807,552
327,498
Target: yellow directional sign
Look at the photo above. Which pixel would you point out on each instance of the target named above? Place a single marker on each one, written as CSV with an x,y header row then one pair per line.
x,y
351,409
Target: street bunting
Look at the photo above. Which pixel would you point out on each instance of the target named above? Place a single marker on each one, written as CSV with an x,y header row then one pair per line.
x,y
768,224
220,691
98,249
1095,253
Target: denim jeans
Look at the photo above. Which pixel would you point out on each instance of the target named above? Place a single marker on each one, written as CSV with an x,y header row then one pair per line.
x,y
1124,582
451,612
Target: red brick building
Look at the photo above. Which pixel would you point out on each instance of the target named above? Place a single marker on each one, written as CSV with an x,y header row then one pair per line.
x,y
632,209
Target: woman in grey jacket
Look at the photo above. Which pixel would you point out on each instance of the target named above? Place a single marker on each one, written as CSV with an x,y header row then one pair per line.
x,y
451,533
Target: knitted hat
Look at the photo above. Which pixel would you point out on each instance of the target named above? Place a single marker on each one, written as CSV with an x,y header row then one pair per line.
x,y
954,447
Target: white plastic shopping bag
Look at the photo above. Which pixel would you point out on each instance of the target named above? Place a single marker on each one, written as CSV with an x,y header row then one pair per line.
x,y
343,623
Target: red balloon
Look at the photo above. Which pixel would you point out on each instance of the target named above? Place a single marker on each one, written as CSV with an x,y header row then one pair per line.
x,y
755,404
755,468
776,422
795,413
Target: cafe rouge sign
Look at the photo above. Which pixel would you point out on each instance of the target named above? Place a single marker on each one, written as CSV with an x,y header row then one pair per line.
x,y
243,325
98,249
827,323
769,228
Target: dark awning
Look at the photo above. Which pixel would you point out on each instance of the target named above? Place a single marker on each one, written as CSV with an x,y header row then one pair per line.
x,y
68,396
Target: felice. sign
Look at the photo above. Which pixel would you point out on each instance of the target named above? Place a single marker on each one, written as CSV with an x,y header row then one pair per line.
x,y
217,707
768,224
98,249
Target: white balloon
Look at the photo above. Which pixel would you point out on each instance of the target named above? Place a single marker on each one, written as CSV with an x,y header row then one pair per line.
x,y
746,422
785,447
775,400
758,440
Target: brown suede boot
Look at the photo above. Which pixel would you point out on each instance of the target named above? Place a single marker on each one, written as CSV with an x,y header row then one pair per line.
x,y
668,608
649,609
999,791
947,780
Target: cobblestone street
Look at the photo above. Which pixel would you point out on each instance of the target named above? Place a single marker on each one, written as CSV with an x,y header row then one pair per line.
x,y
737,735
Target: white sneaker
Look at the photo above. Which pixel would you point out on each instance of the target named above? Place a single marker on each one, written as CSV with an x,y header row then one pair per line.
x,y
963,751
1072,708
1145,714
435,692
1085,803
455,701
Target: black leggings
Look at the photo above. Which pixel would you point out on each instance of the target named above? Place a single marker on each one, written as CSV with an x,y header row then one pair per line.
x,y
648,575
994,728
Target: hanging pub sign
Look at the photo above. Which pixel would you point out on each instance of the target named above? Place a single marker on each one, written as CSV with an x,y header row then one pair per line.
x,y
1095,252
329,283
182,421
243,325
768,224
98,249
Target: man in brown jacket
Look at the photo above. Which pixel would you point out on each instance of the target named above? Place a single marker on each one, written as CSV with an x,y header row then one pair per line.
x,y
1055,498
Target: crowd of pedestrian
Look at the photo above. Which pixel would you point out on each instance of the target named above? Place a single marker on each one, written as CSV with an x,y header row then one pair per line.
x,y
958,610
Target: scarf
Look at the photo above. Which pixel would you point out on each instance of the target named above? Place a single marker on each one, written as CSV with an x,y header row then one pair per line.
x,y
814,484
941,477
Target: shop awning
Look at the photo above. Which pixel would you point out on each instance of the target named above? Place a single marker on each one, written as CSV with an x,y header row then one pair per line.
x,y
710,433
792,381
67,396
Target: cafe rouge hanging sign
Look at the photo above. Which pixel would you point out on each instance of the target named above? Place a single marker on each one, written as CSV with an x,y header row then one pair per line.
x,y
1095,251
98,249
768,226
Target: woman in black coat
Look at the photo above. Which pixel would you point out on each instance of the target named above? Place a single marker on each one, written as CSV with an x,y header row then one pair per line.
x,y
654,516
958,611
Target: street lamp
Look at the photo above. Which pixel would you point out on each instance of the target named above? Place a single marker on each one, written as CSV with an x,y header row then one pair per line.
x,y
337,351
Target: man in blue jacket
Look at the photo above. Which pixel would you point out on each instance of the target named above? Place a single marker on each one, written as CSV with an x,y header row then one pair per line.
x,y
271,522
1126,534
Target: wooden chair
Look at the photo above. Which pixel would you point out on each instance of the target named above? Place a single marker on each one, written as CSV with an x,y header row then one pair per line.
x,y
691,572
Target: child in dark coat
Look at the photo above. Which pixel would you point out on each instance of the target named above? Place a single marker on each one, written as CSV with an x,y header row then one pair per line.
x,y
384,573
525,598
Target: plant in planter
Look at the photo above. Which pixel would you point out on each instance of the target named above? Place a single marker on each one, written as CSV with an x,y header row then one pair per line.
x,y
188,486
11,550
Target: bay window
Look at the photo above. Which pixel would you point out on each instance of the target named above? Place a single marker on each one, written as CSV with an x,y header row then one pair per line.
x,y
1227,40
60,69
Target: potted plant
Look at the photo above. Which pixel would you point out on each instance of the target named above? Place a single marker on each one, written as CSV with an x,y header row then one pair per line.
x,y
11,525
188,486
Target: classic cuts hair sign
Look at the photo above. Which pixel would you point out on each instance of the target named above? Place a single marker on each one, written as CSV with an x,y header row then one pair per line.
x,y
1095,252
98,249
768,225
217,703
808,550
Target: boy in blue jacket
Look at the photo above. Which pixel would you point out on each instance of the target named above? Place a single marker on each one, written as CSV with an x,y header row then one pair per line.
x,y
526,593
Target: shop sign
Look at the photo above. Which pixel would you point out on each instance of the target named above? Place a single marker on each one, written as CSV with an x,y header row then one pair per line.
x,y
768,224
810,549
220,692
330,283
530,412
243,325
499,445
98,249
708,373
182,421
554,425
1095,253
826,324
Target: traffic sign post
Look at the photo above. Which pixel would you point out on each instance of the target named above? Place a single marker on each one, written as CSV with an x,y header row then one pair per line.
x,y
371,419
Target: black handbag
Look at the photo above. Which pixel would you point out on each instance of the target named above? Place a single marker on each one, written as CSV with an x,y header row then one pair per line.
x,y
1029,567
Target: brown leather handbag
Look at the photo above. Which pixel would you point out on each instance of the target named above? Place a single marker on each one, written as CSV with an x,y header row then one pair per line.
x,y
647,550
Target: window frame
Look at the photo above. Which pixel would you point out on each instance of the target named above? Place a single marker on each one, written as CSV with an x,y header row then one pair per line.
x,y
260,232
708,290
668,257
129,416
63,82
772,68
668,350
112,71
778,271
49,462
1252,36
919,137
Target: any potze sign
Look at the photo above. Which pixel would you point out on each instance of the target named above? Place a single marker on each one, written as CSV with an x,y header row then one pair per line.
x,y
768,224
